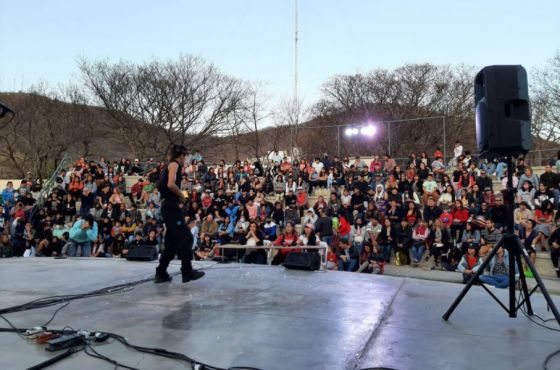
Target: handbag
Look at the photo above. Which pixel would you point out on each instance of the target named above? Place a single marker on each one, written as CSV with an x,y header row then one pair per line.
x,y
399,258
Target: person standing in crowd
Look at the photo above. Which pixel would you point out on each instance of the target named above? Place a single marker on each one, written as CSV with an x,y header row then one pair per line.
x,y
178,239
82,234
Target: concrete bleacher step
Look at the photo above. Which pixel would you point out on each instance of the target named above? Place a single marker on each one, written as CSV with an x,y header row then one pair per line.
x,y
542,263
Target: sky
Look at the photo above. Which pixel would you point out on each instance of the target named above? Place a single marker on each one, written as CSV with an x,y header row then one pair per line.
x,y
254,39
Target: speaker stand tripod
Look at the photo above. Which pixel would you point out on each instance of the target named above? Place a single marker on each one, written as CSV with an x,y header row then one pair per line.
x,y
516,252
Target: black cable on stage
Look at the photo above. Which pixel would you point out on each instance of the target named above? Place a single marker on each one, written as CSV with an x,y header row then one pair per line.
x,y
55,312
55,359
53,300
98,355
551,355
161,352
13,329
66,300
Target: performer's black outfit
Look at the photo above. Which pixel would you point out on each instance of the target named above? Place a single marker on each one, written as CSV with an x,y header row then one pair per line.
x,y
178,238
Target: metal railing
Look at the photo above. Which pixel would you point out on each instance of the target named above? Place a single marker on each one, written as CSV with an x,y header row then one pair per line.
x,y
48,186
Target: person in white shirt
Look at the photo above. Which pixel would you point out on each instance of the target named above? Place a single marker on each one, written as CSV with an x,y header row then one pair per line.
x,y
310,217
275,156
457,150
317,165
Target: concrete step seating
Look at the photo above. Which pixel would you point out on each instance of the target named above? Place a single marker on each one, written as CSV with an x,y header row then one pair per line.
x,y
543,265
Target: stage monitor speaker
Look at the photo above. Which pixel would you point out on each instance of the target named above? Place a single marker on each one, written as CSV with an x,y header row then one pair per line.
x,y
142,253
309,261
503,114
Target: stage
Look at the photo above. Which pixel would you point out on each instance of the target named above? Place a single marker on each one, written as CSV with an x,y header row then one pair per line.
x,y
271,318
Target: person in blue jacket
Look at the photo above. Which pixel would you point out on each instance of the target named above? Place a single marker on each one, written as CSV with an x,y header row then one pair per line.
x,y
499,270
82,234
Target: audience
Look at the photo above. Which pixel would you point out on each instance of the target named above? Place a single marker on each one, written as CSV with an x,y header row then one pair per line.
x,y
367,215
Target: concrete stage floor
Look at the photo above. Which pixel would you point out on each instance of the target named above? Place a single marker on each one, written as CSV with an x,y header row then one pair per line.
x,y
272,318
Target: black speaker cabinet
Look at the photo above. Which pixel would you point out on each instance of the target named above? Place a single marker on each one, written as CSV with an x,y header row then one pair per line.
x,y
142,253
503,114
309,261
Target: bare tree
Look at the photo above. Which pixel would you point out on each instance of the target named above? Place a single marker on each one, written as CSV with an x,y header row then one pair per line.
x,y
411,91
40,133
545,101
290,115
187,100
253,115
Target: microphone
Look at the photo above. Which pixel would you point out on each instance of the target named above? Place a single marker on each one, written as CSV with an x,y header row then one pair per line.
x,y
4,110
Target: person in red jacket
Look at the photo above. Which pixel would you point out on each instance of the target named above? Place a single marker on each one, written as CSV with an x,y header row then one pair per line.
x,y
301,200
136,190
446,217
460,217
286,239
344,226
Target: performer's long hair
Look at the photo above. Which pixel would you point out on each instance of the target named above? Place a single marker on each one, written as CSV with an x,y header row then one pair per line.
x,y
175,151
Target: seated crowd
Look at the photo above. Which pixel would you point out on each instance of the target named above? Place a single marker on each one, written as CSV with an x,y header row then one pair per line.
x,y
367,215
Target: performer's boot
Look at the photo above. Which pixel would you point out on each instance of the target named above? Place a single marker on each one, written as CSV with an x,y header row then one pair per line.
x,y
189,274
162,276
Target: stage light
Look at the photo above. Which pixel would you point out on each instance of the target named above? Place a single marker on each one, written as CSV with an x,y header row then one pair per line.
x,y
364,131
368,130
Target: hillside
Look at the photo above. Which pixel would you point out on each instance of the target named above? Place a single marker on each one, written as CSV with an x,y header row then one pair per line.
x,y
45,128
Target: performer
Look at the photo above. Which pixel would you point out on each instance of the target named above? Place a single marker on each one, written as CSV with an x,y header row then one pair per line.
x,y
178,238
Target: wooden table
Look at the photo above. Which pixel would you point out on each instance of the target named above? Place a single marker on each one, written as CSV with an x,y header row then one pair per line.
x,y
323,250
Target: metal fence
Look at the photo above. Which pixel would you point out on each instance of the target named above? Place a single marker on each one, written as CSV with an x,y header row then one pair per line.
x,y
535,158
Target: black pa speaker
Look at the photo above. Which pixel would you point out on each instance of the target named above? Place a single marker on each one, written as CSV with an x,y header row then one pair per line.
x,y
142,253
309,261
503,114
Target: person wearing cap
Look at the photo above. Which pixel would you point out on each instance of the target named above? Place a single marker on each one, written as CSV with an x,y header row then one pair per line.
x,y
470,262
489,197
308,237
